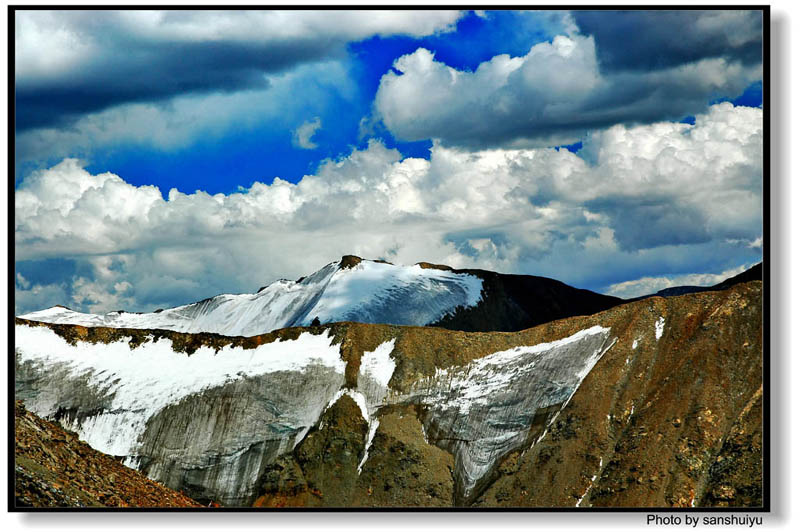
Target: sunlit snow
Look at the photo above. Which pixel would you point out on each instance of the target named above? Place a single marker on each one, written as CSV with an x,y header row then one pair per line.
x,y
145,379
659,327
369,292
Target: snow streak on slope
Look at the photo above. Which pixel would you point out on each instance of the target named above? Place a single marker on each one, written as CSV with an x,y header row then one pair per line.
x,y
659,327
483,410
138,383
377,368
369,292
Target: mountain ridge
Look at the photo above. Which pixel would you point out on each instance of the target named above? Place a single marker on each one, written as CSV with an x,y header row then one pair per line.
x,y
754,273
659,439
356,289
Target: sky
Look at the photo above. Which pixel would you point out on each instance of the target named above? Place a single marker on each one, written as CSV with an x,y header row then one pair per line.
x,y
166,157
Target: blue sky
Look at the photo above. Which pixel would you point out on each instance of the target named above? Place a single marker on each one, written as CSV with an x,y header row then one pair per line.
x,y
147,144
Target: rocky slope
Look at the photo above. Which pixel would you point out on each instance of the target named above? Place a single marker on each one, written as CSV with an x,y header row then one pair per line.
x,y
651,403
366,291
54,469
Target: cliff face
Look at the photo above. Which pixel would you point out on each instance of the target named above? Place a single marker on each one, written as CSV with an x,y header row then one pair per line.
x,y
651,403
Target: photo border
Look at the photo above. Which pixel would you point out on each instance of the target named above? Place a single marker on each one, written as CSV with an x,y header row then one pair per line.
x,y
766,302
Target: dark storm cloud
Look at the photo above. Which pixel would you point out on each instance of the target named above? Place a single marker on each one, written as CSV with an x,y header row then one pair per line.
x,y
70,63
653,222
651,40
135,71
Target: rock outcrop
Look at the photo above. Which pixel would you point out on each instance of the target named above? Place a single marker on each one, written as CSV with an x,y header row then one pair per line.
x,y
53,468
652,403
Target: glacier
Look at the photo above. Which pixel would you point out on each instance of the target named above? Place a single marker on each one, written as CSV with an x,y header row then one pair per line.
x,y
367,292
208,423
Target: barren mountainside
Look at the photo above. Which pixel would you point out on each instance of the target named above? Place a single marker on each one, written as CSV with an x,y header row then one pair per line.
x,y
53,468
651,403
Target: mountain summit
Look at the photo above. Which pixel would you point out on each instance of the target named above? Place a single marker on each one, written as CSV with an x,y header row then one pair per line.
x,y
366,291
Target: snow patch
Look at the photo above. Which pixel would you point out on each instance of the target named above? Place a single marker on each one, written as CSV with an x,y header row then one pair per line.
x,y
356,396
659,327
373,428
374,374
485,409
487,376
374,292
379,364
145,379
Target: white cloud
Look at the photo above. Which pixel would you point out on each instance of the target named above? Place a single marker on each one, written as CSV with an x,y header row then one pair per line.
x,y
49,43
550,96
89,81
284,24
22,282
649,198
46,47
651,285
303,134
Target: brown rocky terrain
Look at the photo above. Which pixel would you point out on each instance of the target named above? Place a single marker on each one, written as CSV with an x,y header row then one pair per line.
x,y
667,424
662,420
675,422
53,468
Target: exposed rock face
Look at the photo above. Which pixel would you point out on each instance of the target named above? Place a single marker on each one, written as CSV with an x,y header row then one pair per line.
x,y
517,302
736,475
652,403
348,261
53,468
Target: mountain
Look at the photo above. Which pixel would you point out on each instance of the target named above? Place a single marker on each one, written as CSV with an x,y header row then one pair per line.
x,y
53,468
754,273
366,291
653,403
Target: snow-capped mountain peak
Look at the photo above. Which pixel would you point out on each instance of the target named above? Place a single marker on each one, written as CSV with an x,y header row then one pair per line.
x,y
352,289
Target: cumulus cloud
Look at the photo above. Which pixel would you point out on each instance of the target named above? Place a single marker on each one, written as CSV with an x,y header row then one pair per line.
x,y
651,285
589,219
304,132
145,56
549,96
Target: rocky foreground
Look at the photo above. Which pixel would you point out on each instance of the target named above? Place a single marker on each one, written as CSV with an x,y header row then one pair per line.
x,y
53,468
655,403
